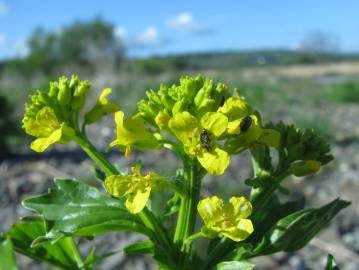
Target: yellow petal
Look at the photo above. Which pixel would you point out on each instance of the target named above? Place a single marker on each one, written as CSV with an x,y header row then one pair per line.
x,y
43,125
186,128
243,229
133,133
242,208
215,161
214,122
41,144
234,108
248,134
137,201
210,208
117,185
103,96
162,119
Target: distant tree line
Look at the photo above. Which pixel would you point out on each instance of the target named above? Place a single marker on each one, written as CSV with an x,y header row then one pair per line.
x,y
82,43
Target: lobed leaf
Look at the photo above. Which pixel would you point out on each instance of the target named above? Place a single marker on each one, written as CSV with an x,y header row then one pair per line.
x,y
75,208
61,254
293,232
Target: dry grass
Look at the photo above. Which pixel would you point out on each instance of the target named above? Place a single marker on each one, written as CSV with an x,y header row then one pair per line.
x,y
304,71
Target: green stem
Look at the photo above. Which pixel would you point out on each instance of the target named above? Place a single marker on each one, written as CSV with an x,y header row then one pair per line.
x,y
217,252
188,212
75,252
95,155
193,237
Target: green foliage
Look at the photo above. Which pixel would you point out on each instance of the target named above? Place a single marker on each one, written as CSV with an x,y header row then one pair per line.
x,y
8,261
75,208
346,92
62,253
294,231
234,265
331,264
139,248
82,43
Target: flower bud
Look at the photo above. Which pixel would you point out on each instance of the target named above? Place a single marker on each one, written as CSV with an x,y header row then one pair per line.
x,y
54,89
304,168
179,106
162,119
64,95
44,99
79,97
74,82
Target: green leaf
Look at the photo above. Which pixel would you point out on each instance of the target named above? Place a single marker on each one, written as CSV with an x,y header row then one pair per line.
x,y
234,265
61,254
294,231
270,213
331,264
139,248
7,257
75,208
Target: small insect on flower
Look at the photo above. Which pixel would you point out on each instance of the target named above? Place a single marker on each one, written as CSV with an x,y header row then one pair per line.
x,y
205,140
245,124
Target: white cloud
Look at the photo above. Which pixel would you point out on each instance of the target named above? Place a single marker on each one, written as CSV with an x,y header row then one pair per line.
x,y
150,37
4,9
120,32
185,22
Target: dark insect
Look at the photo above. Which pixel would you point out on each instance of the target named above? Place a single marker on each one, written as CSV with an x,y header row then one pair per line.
x,y
245,124
205,140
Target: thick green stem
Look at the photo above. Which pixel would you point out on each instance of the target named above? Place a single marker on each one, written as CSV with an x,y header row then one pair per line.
x,y
188,212
95,155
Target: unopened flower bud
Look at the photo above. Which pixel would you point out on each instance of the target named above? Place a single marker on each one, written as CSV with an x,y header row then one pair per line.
x,y
304,168
64,95
54,89
79,97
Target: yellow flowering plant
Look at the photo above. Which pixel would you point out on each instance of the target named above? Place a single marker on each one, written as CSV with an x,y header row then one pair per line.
x,y
204,124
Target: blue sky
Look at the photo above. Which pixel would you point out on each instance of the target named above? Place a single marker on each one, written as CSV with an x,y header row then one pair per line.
x,y
167,27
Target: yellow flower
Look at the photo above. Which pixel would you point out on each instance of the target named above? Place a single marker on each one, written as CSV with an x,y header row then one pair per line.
x,y
46,127
135,187
235,108
101,108
226,220
131,133
242,122
199,137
